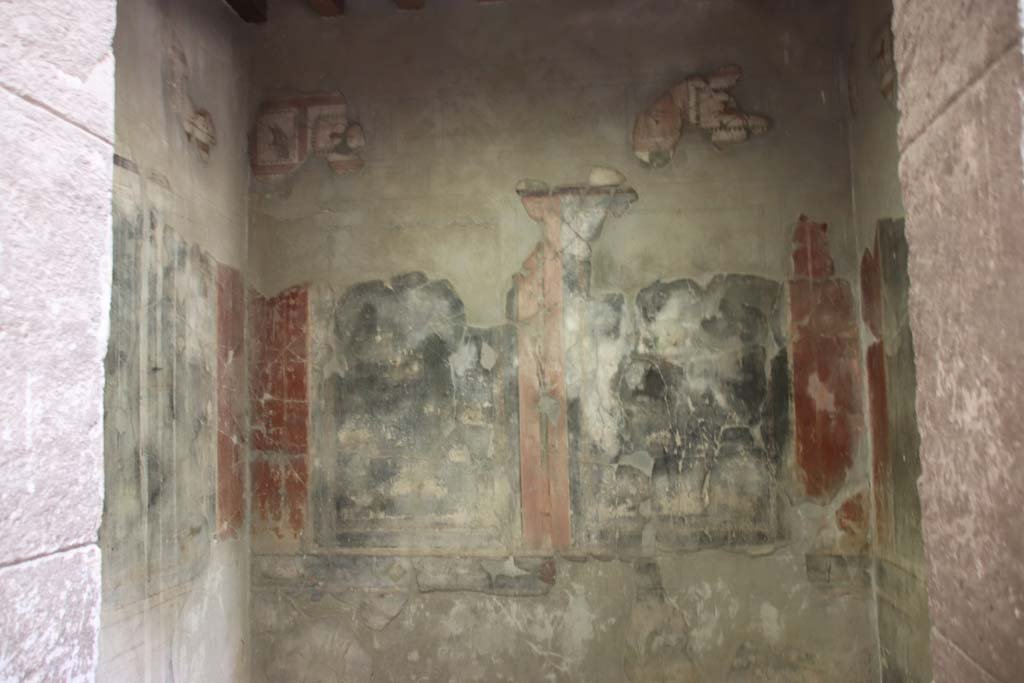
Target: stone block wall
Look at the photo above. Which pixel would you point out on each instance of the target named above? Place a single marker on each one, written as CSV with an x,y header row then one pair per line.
x,y
56,132
960,73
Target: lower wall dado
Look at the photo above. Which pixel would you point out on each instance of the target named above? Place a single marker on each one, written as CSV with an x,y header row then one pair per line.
x,y
712,615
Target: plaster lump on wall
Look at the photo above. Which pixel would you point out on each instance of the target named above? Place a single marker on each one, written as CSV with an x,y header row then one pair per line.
x,y
704,102
196,122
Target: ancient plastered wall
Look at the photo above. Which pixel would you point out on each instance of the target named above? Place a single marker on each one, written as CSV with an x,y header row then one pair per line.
x,y
56,132
174,553
181,58
407,559
467,98
869,73
410,470
960,75
396,533
174,534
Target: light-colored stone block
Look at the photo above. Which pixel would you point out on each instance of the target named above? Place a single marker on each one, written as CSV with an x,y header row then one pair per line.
x,y
952,666
54,300
941,47
50,621
59,53
963,189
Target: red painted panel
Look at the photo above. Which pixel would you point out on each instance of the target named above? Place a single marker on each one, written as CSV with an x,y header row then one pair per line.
x,y
295,427
272,373
266,494
295,380
827,405
230,383
230,487
268,433
260,316
296,484
852,519
532,478
826,365
280,392
294,313
557,432
826,306
811,257
852,515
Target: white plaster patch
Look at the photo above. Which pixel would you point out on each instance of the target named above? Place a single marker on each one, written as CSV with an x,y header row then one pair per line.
x,y
601,410
578,621
770,624
705,633
419,486
820,394
463,359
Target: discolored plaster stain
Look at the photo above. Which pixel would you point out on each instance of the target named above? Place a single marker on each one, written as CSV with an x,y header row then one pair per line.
x,y
770,624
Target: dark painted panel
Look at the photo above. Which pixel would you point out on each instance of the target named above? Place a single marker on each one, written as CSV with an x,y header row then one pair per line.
x,y
408,453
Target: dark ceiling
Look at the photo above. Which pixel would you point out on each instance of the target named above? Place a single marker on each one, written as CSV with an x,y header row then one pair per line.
x,y
255,11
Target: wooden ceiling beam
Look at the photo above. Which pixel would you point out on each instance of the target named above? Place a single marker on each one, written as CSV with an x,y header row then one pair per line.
x,y
252,11
328,8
